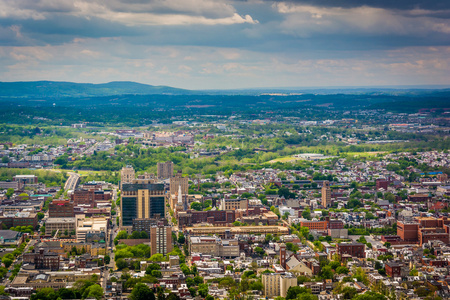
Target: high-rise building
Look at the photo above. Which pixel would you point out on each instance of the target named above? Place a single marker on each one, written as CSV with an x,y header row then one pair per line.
x,y
277,284
283,255
141,199
326,194
126,175
165,170
161,239
177,181
140,225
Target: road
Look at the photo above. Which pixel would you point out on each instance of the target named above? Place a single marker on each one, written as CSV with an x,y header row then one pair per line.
x,y
72,182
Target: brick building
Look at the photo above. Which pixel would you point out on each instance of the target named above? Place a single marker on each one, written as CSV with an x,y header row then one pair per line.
x,y
408,232
61,209
19,219
382,183
43,259
419,198
335,224
89,197
315,225
160,239
423,230
353,249
394,269
216,217
83,197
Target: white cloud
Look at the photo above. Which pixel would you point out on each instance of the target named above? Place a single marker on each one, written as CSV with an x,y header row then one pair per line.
x,y
131,13
307,20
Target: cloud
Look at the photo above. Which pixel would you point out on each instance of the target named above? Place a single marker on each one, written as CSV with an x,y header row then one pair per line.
x,y
226,43
305,21
385,4
131,13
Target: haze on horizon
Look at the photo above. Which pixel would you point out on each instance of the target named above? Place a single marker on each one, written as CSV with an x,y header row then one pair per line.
x,y
221,44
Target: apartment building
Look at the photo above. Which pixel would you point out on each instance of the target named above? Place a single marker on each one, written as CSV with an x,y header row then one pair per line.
x,y
277,284
165,170
161,239
233,204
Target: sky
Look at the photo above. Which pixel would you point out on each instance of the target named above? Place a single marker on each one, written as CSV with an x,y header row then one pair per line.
x,y
222,44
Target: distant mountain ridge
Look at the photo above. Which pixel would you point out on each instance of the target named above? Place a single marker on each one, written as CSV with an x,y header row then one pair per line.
x,y
62,89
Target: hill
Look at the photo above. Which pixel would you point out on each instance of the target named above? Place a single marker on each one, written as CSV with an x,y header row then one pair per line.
x,y
59,89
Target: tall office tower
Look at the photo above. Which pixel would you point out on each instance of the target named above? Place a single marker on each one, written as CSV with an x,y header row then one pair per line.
x,y
161,239
326,194
176,182
165,170
126,175
141,199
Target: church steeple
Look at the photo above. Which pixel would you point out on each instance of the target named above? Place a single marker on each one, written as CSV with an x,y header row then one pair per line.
x,y
180,196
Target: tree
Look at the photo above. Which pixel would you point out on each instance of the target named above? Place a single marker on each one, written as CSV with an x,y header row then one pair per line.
x,y
342,270
306,296
326,273
260,251
107,259
156,274
203,289
135,235
40,215
172,296
93,291
306,214
181,238
196,206
121,264
8,262
152,267
209,297
293,291
190,282
268,238
387,245
9,193
256,285
198,280
370,296
362,239
122,235
304,231
2,291
349,292
185,269
157,257
141,292
193,291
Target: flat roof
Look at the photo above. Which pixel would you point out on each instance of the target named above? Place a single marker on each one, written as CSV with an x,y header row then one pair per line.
x,y
60,220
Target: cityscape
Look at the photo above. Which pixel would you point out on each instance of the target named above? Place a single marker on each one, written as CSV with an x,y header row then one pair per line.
x,y
277,207
224,150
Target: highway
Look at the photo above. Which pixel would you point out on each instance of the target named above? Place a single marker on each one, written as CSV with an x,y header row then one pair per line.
x,y
72,182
